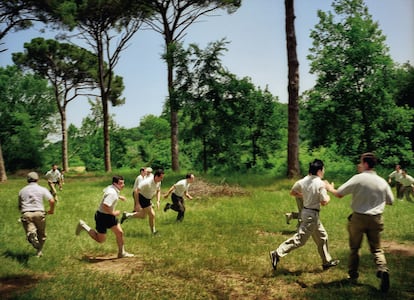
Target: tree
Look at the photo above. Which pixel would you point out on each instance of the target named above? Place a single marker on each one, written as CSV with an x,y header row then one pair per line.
x,y
293,90
352,105
17,15
222,115
99,23
69,69
27,110
172,18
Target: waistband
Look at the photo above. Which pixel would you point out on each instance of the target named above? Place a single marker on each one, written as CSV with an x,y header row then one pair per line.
x,y
314,209
361,214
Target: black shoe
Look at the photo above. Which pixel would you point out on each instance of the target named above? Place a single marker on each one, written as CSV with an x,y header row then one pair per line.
x,y
167,206
330,264
124,217
274,259
385,280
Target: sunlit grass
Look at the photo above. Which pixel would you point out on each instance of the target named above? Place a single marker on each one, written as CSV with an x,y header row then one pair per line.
x,y
219,251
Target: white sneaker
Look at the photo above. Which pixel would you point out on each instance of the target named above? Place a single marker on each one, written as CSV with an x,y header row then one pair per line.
x,y
125,255
39,253
79,228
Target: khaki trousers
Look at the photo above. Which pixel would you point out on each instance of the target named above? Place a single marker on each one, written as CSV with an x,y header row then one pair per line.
x,y
34,224
310,226
358,225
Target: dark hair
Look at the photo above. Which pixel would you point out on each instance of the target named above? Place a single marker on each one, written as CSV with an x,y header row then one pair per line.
x,y
315,166
117,178
188,175
158,173
370,159
141,169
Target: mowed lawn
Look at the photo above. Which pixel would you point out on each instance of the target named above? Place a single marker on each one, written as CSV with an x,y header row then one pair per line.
x,y
219,251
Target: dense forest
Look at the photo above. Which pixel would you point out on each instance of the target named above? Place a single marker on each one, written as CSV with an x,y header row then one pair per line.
x,y
362,100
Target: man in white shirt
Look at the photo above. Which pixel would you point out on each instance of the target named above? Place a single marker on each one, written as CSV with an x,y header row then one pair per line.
x,y
54,177
396,175
179,190
145,191
407,185
314,194
370,193
105,217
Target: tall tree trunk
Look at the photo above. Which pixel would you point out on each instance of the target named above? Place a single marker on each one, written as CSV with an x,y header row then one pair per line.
x,y
3,176
175,166
174,119
107,142
293,89
65,160
104,99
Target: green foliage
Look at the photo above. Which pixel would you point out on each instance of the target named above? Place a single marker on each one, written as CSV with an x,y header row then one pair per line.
x,y
26,116
229,124
352,104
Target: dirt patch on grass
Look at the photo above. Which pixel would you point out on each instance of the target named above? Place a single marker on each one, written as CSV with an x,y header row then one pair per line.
x,y
396,248
113,264
201,187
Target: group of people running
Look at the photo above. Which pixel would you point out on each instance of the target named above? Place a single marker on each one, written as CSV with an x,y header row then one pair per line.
x,y
370,193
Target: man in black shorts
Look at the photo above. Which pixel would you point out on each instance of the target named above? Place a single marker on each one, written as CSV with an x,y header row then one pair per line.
x,y
105,217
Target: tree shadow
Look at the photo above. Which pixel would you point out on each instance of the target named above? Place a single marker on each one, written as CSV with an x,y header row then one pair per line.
x,y
344,283
11,287
21,257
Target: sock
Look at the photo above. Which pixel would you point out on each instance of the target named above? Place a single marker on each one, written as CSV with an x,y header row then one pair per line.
x,y
86,227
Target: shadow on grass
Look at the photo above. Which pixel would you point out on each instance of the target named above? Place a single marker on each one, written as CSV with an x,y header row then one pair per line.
x,y
344,283
97,259
11,287
21,257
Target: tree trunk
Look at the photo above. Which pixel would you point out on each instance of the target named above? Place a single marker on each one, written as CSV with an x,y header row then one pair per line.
x,y
293,89
104,99
65,160
3,176
175,166
107,142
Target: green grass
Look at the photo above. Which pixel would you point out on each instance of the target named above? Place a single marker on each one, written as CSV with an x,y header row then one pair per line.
x,y
220,251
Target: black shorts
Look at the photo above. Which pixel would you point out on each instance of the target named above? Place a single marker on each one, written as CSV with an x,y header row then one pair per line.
x,y
144,202
104,221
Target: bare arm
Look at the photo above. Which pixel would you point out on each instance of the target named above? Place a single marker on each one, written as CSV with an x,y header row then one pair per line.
x,y
330,188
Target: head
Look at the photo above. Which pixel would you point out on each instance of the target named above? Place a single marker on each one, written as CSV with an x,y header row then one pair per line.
x,y
404,172
398,167
317,168
159,175
190,177
148,171
118,182
368,161
54,167
32,177
142,171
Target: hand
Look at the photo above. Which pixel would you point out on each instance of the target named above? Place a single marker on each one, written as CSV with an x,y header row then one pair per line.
x,y
329,186
116,213
122,198
50,212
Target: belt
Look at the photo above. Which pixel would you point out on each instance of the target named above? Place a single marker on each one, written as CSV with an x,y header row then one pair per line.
x,y
314,209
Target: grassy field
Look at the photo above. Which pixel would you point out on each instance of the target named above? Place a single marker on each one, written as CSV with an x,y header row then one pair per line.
x,y
219,251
